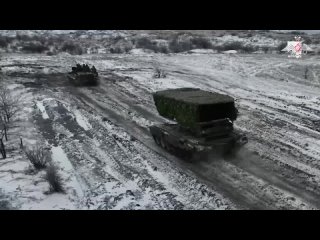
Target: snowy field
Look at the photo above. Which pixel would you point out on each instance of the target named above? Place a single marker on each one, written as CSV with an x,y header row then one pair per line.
x,y
99,136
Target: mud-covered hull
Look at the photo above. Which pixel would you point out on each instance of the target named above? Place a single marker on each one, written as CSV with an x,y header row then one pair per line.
x,y
83,79
183,144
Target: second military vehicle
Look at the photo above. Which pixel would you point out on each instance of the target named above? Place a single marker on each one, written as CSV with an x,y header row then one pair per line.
x,y
83,75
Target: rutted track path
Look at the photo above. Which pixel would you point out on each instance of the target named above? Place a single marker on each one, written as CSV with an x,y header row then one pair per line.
x,y
274,171
105,156
249,185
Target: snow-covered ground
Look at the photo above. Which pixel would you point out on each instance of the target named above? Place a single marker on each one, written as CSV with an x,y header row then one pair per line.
x,y
99,137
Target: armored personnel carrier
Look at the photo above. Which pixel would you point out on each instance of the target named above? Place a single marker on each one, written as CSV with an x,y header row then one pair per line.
x,y
203,123
83,75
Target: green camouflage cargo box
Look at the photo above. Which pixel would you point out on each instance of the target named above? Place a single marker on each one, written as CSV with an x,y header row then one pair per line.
x,y
189,106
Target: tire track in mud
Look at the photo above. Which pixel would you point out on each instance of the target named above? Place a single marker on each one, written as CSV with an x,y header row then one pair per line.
x,y
126,102
226,183
280,175
136,161
279,136
298,190
256,192
125,162
143,136
252,194
300,116
121,162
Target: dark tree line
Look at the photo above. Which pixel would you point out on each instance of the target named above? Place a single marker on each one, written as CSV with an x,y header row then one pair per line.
x,y
9,107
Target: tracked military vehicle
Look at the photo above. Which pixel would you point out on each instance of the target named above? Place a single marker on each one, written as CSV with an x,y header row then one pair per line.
x,y
203,123
83,75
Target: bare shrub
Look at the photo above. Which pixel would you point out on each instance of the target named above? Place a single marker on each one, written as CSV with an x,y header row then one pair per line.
x,y
30,170
117,39
4,41
127,49
5,205
31,38
144,43
116,50
265,49
72,48
236,45
232,46
51,53
9,107
151,45
160,49
24,38
54,179
4,201
249,48
34,48
3,149
163,49
202,43
281,46
56,40
39,157
159,73
177,46
297,33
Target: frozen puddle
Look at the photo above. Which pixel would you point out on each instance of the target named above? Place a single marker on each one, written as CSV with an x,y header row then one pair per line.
x,y
42,110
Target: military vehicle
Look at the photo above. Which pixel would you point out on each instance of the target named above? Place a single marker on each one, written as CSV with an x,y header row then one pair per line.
x,y
203,123
83,75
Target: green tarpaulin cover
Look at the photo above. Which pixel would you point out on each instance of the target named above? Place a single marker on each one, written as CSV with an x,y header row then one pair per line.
x,y
189,106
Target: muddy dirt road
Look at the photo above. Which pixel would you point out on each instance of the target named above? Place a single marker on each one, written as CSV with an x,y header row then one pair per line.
x,y
104,131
